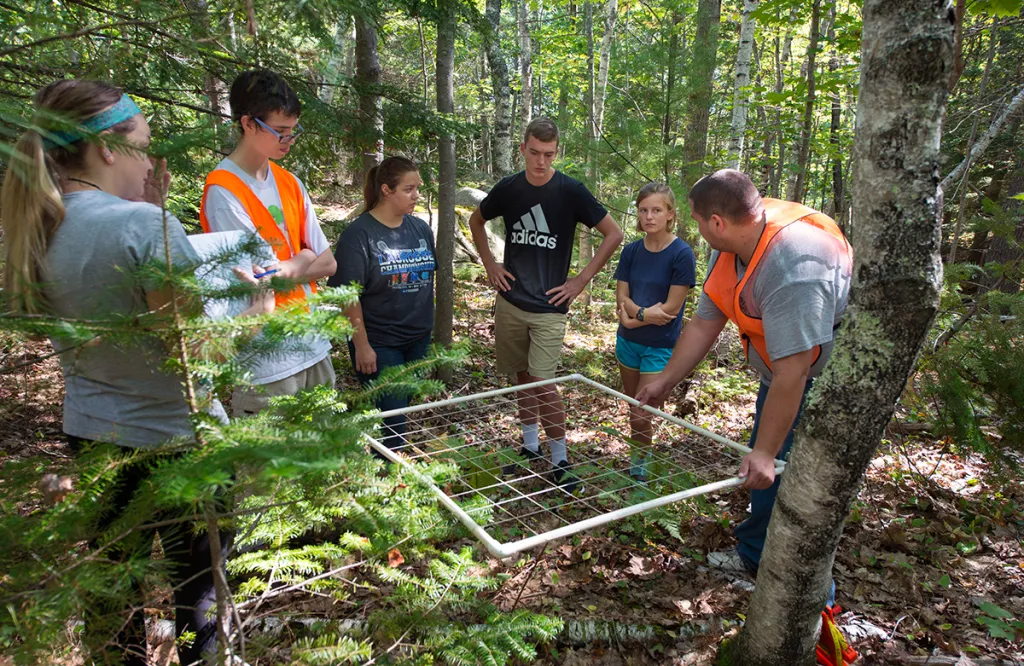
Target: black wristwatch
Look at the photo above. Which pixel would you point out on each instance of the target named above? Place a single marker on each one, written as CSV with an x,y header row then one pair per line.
x,y
640,314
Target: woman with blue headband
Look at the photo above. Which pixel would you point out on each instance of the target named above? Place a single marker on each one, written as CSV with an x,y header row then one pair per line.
x,y
79,225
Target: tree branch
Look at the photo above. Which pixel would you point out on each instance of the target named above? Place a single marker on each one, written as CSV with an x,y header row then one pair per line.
x,y
88,31
997,124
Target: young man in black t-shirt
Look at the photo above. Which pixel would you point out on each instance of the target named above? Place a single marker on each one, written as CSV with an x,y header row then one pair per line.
x,y
541,208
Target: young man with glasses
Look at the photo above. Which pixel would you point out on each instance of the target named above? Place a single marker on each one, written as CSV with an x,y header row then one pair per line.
x,y
249,192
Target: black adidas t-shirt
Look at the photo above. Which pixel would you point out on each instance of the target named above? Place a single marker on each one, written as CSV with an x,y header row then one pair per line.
x,y
540,227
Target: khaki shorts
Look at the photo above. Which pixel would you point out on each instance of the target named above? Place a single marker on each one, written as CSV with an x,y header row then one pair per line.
x,y
530,341
254,399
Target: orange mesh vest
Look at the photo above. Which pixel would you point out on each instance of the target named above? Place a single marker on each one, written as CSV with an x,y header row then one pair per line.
x,y
293,207
723,286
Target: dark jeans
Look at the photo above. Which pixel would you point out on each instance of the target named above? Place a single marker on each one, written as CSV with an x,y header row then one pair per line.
x,y
188,564
388,357
751,532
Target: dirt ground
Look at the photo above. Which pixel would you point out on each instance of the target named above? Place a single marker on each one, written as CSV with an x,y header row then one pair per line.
x,y
932,546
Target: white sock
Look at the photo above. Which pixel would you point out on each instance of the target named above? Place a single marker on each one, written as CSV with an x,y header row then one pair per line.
x,y
531,436
557,450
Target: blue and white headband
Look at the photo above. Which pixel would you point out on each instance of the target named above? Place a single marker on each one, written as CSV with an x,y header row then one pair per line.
x,y
124,109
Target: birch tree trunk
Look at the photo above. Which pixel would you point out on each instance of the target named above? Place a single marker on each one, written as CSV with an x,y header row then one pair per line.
x,y
336,64
808,126
586,252
446,221
367,82
907,53
739,98
611,16
704,57
525,66
666,126
500,86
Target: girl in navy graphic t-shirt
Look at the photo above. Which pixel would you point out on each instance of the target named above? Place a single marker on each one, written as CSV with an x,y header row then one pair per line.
x,y
390,253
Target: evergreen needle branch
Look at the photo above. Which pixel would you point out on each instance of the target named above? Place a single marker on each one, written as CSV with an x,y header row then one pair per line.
x,y
333,572
88,31
414,624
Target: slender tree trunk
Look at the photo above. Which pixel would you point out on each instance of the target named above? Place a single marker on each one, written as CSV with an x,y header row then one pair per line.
x,y
611,16
738,128
423,64
808,125
525,66
958,45
336,63
586,251
993,40
781,61
670,81
367,82
907,51
838,196
500,86
446,221
701,69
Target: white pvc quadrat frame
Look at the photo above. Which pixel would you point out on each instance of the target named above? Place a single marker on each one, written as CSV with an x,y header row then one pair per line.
x,y
506,550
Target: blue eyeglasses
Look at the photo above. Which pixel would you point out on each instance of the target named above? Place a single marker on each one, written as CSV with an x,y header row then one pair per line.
x,y
282,138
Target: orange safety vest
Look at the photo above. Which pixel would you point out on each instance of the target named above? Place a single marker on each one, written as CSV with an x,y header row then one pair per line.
x,y
723,287
294,208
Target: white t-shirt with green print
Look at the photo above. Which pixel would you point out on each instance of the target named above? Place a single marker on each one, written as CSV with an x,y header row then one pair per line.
x,y
226,213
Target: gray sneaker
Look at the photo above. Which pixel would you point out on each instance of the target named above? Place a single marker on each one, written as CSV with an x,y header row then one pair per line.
x,y
731,561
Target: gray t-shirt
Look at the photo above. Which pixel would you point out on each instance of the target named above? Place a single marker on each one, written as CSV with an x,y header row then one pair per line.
x,y
119,392
799,290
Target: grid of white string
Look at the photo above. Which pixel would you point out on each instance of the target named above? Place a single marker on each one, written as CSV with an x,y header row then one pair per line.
x,y
512,503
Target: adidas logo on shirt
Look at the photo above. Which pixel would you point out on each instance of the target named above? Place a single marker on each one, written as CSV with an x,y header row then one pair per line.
x,y
532,229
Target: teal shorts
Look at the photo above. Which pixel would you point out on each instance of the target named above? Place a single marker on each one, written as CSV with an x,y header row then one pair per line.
x,y
646,360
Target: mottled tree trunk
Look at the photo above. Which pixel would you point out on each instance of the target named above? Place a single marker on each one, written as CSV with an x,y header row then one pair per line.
x,y
500,86
525,66
367,82
907,54
803,157
701,70
738,127
446,221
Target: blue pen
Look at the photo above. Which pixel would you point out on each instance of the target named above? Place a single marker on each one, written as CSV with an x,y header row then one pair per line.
x,y
265,274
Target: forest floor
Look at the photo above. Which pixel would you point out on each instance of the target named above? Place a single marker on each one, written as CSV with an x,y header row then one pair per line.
x,y
932,553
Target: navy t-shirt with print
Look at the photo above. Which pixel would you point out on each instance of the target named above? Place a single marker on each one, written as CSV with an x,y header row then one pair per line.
x,y
650,275
396,270
540,227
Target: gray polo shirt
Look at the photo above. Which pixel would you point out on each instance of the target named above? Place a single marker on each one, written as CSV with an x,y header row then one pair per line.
x,y
114,392
799,290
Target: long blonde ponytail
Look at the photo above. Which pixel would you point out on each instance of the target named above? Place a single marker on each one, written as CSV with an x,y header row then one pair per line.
x,y
31,209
